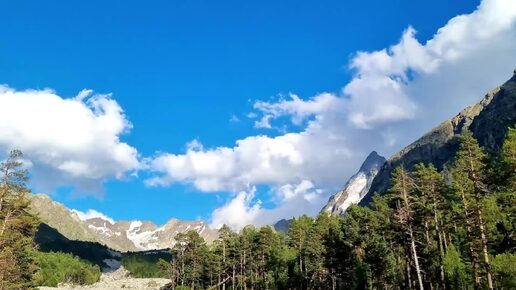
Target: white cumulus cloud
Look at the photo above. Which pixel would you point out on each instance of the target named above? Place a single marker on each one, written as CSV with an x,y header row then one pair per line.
x,y
292,199
299,110
91,214
68,141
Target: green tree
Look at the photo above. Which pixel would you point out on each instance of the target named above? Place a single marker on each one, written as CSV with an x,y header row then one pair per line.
x,y
504,270
402,189
55,268
248,267
226,248
469,174
265,243
17,226
188,260
297,237
455,269
509,159
430,189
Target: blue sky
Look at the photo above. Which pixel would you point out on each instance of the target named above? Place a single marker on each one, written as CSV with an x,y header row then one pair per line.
x,y
194,70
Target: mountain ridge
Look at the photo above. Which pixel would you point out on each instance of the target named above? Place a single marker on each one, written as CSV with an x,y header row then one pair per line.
x,y
488,120
123,236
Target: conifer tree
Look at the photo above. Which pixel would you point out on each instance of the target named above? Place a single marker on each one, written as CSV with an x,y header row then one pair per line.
x,y
189,256
469,179
430,187
298,235
509,159
226,248
247,237
17,226
402,187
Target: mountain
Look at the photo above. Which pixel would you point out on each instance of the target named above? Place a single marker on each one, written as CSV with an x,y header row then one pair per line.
x,y
356,187
488,120
282,225
49,239
122,236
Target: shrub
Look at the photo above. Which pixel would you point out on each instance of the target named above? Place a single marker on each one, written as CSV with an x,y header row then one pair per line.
x,y
142,265
55,268
505,271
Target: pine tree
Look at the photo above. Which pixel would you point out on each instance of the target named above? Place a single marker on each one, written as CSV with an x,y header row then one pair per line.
x,y
402,187
226,250
247,238
381,252
316,252
297,236
506,198
367,252
266,241
331,241
430,188
189,257
509,159
455,269
469,178
17,226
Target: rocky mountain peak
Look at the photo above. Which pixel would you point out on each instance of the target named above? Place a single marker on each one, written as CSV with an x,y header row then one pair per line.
x,y
357,186
372,161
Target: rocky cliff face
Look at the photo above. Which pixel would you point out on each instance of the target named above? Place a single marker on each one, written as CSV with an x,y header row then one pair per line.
x,y
282,225
123,236
356,187
59,217
489,121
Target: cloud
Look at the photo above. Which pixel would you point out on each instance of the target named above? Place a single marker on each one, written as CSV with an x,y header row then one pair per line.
x,y
234,119
395,95
264,122
291,199
238,212
298,110
91,214
380,90
68,141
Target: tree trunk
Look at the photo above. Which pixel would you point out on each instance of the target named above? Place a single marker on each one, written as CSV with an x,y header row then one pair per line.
x,y
411,235
484,248
427,234
416,260
218,285
6,221
409,276
223,263
440,240
474,258
481,222
233,278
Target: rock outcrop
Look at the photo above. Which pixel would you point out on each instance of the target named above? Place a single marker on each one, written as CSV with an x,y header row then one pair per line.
x,y
488,120
356,187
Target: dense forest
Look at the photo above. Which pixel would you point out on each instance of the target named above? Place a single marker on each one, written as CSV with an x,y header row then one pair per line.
x,y
452,229
432,230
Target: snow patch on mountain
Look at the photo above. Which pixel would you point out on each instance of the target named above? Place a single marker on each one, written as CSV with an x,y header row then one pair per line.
x,y
357,186
354,189
103,231
144,239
